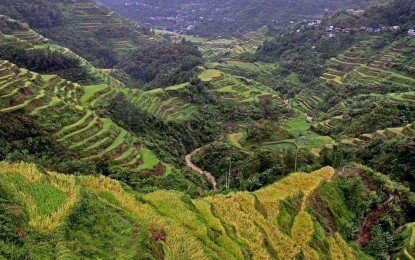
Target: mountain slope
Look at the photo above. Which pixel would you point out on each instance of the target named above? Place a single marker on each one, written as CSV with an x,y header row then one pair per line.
x,y
223,18
100,121
162,223
92,31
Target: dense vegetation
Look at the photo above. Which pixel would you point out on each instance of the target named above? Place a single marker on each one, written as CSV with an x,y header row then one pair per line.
x,y
46,61
86,28
163,65
181,147
224,18
321,208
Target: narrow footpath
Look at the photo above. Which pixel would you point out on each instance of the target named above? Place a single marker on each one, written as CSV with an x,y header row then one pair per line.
x,y
208,175
370,220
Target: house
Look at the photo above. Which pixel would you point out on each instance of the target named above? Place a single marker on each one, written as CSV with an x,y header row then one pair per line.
x,y
377,30
411,32
346,30
314,24
330,29
331,35
395,28
356,12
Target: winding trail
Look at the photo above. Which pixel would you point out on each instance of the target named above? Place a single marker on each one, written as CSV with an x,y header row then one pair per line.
x,y
370,220
208,175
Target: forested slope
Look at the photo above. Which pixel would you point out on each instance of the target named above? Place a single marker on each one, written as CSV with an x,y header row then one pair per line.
x,y
215,18
90,30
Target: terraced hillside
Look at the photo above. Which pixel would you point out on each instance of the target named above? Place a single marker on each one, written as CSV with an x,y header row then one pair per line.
x,y
180,102
67,107
89,17
375,71
274,222
91,30
407,131
15,32
242,93
167,104
20,35
365,79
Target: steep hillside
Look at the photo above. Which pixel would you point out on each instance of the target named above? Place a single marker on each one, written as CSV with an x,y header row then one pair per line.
x,y
285,220
302,215
92,31
97,124
350,91
181,147
62,107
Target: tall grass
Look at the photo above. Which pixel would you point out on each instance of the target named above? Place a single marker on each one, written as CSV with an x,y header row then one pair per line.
x,y
302,233
179,244
48,198
236,226
243,224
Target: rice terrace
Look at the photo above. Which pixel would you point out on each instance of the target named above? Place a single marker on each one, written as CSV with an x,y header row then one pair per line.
x,y
209,129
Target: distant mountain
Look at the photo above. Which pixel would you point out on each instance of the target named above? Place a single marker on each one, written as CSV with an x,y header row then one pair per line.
x,y
224,18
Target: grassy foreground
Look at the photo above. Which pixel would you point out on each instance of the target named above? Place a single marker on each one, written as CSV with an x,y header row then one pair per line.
x,y
94,216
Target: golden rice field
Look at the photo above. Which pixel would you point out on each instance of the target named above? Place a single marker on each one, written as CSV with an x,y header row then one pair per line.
x,y
233,226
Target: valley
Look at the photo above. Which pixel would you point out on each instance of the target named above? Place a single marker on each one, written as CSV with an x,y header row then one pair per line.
x,y
278,141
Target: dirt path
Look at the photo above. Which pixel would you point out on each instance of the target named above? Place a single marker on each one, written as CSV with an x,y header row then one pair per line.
x,y
208,175
370,220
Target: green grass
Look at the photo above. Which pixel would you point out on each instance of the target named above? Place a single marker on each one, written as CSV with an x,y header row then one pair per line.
x,y
41,94
235,139
313,140
90,91
177,87
281,145
80,131
297,125
97,144
111,219
149,159
47,198
226,89
117,142
105,128
78,123
209,75
126,154
54,101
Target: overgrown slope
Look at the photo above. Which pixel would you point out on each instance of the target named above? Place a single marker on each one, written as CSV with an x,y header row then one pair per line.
x,y
92,31
275,222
